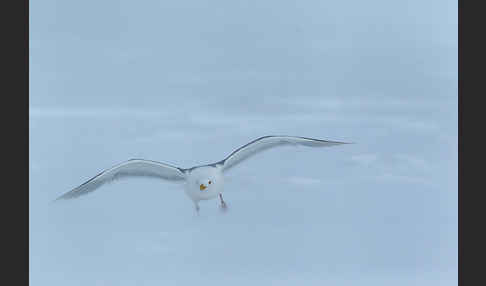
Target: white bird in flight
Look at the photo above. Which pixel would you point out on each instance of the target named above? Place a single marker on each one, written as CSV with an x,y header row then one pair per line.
x,y
200,182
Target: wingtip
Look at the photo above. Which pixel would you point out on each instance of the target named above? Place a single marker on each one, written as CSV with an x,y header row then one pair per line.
x,y
56,200
62,197
342,143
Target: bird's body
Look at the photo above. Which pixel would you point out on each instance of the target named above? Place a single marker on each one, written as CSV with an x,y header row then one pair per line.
x,y
204,183
200,182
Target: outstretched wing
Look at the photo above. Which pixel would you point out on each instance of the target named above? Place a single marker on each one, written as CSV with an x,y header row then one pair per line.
x,y
130,168
263,143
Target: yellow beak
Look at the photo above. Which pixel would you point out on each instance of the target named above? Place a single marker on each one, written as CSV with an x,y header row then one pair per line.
x,y
202,187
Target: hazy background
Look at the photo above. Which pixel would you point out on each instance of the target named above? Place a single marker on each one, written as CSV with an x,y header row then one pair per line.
x,y
186,82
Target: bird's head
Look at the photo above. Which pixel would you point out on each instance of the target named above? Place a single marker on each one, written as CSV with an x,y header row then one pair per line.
x,y
206,179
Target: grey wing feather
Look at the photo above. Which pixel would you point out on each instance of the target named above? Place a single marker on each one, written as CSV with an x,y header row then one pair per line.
x,y
130,168
263,143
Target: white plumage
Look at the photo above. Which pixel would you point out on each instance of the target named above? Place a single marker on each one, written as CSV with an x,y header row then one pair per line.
x,y
201,182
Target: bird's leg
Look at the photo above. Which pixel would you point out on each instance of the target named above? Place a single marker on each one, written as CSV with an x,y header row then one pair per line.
x,y
223,204
197,208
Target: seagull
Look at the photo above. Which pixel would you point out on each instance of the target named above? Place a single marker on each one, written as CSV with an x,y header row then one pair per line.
x,y
202,182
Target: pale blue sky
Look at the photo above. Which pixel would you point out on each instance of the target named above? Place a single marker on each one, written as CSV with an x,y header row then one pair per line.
x,y
186,82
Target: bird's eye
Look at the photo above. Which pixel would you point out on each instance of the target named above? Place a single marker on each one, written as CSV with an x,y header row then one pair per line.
x,y
209,182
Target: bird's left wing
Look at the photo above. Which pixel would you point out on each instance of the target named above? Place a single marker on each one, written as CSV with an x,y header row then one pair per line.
x,y
267,142
130,168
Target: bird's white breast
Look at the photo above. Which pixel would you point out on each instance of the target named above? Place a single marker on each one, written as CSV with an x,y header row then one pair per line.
x,y
202,175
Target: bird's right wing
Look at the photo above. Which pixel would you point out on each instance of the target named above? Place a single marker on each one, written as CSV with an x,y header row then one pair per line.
x,y
266,142
130,168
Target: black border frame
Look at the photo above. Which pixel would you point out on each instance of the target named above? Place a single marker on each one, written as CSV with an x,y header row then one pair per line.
x,y
14,211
